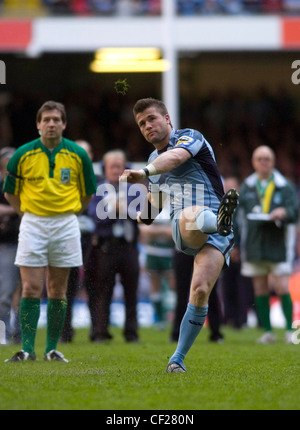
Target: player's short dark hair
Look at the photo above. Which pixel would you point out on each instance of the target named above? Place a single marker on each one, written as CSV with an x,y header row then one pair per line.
x,y
51,105
146,103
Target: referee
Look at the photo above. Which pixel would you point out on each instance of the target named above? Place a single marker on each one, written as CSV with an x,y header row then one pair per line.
x,y
49,181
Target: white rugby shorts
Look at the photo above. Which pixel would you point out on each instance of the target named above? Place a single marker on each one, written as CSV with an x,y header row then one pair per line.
x,y
262,268
49,241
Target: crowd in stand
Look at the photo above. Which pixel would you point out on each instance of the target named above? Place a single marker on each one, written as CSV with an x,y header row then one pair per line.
x,y
154,7
236,7
104,7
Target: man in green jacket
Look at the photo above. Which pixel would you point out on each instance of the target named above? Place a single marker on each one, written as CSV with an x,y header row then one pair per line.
x,y
266,235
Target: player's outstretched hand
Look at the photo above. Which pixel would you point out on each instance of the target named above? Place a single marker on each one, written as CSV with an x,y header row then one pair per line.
x,y
131,176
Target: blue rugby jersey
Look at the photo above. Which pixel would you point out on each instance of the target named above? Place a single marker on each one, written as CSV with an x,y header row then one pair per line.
x,y
196,181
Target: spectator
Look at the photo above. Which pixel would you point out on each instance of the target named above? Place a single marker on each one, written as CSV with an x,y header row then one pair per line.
x,y
159,250
272,6
113,250
59,7
87,226
124,8
80,7
9,230
231,7
236,289
291,7
188,7
210,7
154,7
252,6
139,7
103,7
269,207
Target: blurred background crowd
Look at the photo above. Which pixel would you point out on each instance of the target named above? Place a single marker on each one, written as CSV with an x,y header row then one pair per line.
x,y
232,121
147,7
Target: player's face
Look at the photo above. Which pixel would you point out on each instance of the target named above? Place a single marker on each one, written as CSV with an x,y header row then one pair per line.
x,y
154,126
51,125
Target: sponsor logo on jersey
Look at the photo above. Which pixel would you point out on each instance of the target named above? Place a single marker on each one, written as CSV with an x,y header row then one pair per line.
x,y
185,140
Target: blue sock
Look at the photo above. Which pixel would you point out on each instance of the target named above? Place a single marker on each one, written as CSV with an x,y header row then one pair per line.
x,y
190,327
206,221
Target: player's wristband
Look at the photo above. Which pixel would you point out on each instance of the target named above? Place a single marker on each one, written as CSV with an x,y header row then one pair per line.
x,y
149,170
146,221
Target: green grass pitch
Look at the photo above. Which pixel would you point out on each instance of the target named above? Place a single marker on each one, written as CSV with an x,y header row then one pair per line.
x,y
236,375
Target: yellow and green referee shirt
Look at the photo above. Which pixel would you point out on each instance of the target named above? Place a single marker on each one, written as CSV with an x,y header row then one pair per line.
x,y
50,182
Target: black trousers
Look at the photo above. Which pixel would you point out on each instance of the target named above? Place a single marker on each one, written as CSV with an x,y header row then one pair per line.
x,y
238,295
105,261
73,288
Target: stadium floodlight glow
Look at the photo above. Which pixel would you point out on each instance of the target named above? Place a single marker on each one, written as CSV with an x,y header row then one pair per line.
x,y
127,54
129,66
127,60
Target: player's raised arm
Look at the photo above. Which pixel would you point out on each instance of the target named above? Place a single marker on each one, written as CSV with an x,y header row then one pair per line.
x,y
162,164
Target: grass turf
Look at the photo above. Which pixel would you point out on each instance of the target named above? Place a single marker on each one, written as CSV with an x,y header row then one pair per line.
x,y
236,375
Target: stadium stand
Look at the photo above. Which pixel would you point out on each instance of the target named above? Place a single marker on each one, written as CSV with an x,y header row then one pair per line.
x,y
23,8
33,8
